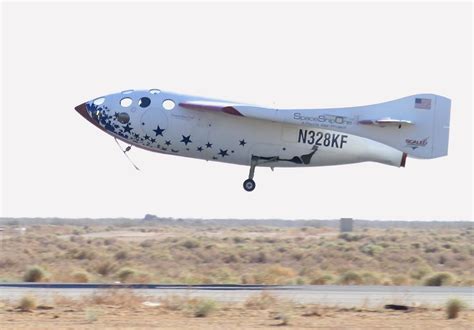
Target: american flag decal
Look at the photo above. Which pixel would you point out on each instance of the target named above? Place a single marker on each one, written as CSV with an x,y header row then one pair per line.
x,y
422,103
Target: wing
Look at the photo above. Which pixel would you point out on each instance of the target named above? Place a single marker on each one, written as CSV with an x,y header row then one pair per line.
x,y
229,108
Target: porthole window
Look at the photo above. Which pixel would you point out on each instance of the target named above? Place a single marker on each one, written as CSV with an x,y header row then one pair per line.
x,y
99,101
155,91
126,102
144,102
168,104
123,117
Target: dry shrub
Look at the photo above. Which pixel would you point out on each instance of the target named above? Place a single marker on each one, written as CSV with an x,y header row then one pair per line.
x,y
453,307
81,277
115,297
174,302
261,301
439,279
350,278
202,307
27,303
85,255
275,275
34,274
421,272
321,279
400,280
105,267
121,255
60,300
370,278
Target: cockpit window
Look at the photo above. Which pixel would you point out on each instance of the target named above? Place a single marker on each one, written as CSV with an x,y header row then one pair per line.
x,y
123,117
144,102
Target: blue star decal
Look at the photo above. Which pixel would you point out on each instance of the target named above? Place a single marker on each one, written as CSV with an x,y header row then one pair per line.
x,y
153,140
146,137
159,131
223,153
127,128
199,149
186,139
208,145
168,142
242,143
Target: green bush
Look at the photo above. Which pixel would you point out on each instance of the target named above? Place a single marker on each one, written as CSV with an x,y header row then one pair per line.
x,y
371,249
439,279
34,274
453,307
27,303
191,244
126,273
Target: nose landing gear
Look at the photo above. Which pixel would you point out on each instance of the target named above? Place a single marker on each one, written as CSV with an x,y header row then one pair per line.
x,y
249,184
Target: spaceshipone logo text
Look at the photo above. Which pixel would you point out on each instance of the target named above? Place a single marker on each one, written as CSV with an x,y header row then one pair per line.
x,y
323,119
416,143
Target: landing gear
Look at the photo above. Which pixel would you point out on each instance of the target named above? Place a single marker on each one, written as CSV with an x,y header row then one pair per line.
x,y
249,185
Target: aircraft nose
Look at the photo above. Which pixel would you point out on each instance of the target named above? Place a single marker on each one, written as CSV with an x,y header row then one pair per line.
x,y
82,110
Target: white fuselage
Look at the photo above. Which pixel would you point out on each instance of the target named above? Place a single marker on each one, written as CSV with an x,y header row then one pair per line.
x,y
218,136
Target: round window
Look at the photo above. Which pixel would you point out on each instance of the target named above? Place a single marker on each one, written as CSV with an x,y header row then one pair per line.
x,y
123,117
126,102
144,102
99,101
168,104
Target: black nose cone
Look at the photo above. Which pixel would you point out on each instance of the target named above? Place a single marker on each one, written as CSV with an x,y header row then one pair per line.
x,y
82,109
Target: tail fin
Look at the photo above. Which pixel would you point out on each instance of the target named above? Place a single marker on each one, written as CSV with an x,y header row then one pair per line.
x,y
417,125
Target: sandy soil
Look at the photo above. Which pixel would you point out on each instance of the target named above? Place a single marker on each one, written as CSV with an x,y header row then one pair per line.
x,y
108,316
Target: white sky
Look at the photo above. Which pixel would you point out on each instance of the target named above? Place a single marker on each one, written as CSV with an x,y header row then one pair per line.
x,y
56,56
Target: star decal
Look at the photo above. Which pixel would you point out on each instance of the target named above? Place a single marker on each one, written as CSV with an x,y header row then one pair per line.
x,y
242,142
223,153
153,140
127,128
186,139
136,135
168,142
199,149
208,145
159,131
146,137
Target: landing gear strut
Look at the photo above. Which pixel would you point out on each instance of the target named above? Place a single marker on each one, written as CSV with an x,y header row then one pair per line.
x,y
249,184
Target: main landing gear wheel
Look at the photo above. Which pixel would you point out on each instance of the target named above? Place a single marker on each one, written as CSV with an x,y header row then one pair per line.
x,y
249,185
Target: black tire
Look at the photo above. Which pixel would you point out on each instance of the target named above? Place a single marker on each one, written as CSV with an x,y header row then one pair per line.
x,y
249,185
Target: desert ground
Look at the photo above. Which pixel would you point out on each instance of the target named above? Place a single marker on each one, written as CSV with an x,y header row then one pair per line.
x,y
155,252
126,310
